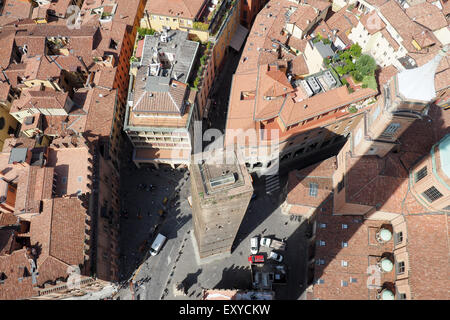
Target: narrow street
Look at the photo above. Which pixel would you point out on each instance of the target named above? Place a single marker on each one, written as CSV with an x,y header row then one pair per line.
x,y
220,94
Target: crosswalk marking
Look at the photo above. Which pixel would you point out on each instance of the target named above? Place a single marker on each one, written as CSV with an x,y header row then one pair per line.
x,y
272,184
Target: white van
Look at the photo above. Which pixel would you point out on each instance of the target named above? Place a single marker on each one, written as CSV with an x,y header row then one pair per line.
x,y
157,244
254,245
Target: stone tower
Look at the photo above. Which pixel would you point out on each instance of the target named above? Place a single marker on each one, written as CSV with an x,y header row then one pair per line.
x,y
221,191
430,177
405,98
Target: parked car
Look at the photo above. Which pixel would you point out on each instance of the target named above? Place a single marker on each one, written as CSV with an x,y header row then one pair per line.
x,y
273,243
275,256
256,259
254,245
157,244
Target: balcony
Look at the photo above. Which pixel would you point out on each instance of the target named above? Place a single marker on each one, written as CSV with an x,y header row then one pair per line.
x,y
201,66
214,16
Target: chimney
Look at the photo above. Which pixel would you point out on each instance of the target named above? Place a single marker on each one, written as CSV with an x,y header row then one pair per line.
x,y
6,77
74,141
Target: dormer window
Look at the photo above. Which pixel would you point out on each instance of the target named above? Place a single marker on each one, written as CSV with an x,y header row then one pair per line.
x,y
113,44
422,173
398,237
313,188
400,267
3,277
432,194
390,131
401,296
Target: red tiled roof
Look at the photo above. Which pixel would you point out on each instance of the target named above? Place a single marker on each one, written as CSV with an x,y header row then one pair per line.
x,y
428,250
299,184
35,184
7,39
343,22
293,112
407,29
60,232
14,10
428,15
7,218
40,99
372,22
175,8
12,289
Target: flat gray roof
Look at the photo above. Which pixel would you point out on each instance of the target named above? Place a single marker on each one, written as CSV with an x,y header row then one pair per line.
x,y
324,49
18,155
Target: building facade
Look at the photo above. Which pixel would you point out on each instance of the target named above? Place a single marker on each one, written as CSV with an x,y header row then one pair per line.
x,y
161,106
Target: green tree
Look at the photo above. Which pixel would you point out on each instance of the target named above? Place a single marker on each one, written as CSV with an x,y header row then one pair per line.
x,y
200,71
355,50
345,82
352,109
200,26
365,65
357,76
196,82
349,67
340,70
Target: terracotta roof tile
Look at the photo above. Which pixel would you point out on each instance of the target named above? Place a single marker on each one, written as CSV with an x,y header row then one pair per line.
x,y
14,10
12,265
299,184
293,112
7,218
60,232
175,8
408,29
427,15
372,22
428,250
40,99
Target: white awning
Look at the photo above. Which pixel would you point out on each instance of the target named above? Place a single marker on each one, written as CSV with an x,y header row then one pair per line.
x,y
239,37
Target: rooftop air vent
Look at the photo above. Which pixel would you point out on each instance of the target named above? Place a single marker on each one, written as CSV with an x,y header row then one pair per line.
x,y
314,85
223,180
